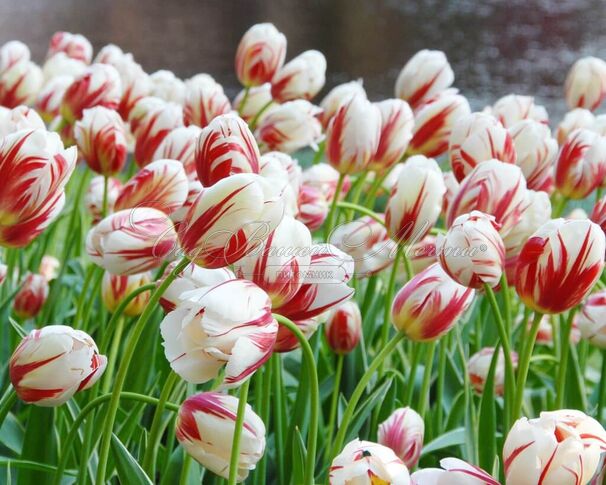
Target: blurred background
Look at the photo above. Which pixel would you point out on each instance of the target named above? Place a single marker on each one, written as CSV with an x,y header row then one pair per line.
x,y
495,47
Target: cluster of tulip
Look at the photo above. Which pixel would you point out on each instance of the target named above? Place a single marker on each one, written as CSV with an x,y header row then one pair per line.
x,y
461,314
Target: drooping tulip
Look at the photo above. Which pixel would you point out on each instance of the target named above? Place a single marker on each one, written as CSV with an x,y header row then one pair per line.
x,y
325,178
261,52
249,106
478,368
49,267
19,118
403,432
115,288
93,198
592,319
204,100
167,86
337,97
51,364
300,78
20,84
75,46
513,108
205,426
585,85
573,120
31,296
180,144
312,207
453,471
559,264
343,327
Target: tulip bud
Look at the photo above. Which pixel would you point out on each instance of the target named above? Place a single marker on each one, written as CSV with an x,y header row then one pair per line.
x,y
19,118
51,364
429,304
365,462
49,98
581,164
167,86
75,46
415,202
34,167
206,332
94,196
260,54
453,471
258,98
204,100
339,96
115,288
225,147
180,144
49,267
592,319
560,447
205,426
312,207
513,108
403,432
131,241
573,120
478,368
585,85
352,136
20,84
325,178
476,138
101,139
31,296
559,265
343,327
11,53
302,77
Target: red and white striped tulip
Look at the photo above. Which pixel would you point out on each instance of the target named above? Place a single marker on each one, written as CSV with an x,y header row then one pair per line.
x,y
49,267
478,368
403,432
581,164
101,139
573,120
325,178
286,173
367,463
226,147
206,332
415,202
339,96
115,288
261,53
343,327
258,98
136,85
453,471
429,304
132,241
180,144
424,76
11,53
422,254
93,198
205,426
452,189
585,85
312,207
34,168
434,122
75,46
51,364
300,78
167,86
31,296
194,187
476,138
111,54
592,319
204,100
598,214
20,84
60,64
513,108
352,136
559,264
49,98
19,118
560,447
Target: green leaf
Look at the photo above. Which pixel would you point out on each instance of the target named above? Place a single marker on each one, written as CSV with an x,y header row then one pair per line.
x,y
39,444
299,454
487,426
12,434
127,467
367,407
454,437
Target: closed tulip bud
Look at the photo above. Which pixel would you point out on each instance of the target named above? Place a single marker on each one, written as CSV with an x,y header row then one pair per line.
x,y
49,267
453,471
230,219
258,99
272,167
302,77
136,85
367,463
204,100
559,264
260,54
472,251
101,139
325,178
423,254
180,144
19,118
560,447
478,368
573,120
34,167
592,319
403,432
11,53
51,364
115,288
339,96
290,127
167,86
226,147
476,138
20,84
581,164
93,198
60,64
429,304
131,241
343,327
99,85
513,108
312,207
31,296
75,46
205,428
352,136
207,332
585,85
415,202
151,120
397,123
160,185
49,99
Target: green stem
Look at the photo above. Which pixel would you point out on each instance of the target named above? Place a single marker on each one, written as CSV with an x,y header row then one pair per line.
x,y
113,356
235,443
506,304
563,364
105,186
369,201
255,120
9,398
412,374
440,383
363,210
319,152
602,395
559,208
407,265
184,476
424,396
330,220
244,99
261,470
334,402
278,415
389,291
355,194
524,365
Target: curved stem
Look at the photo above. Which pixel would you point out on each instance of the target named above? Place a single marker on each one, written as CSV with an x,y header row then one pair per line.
x,y
255,120
244,99
362,210
525,365
424,395
330,220
113,356
355,193
235,443
335,398
369,201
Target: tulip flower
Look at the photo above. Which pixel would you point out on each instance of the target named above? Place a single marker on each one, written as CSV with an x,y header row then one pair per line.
x,y
75,46
230,219
101,139
396,131
403,432
93,198
11,53
205,426
598,214
312,207
592,321
131,241
422,254
31,296
429,304
302,77
343,327
352,136
111,54
559,264
167,86
49,267
60,64
193,191
364,462
180,144
35,168
136,85
476,138
20,84
573,120
581,164
260,54
207,332
225,147
258,98
325,178
415,202
560,447
204,100
115,288
19,118
472,251
160,185
49,98
290,127
452,188
284,171
585,85
339,96
453,471
513,108
478,368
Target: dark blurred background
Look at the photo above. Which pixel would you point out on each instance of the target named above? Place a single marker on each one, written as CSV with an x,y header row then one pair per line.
x,y
495,47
